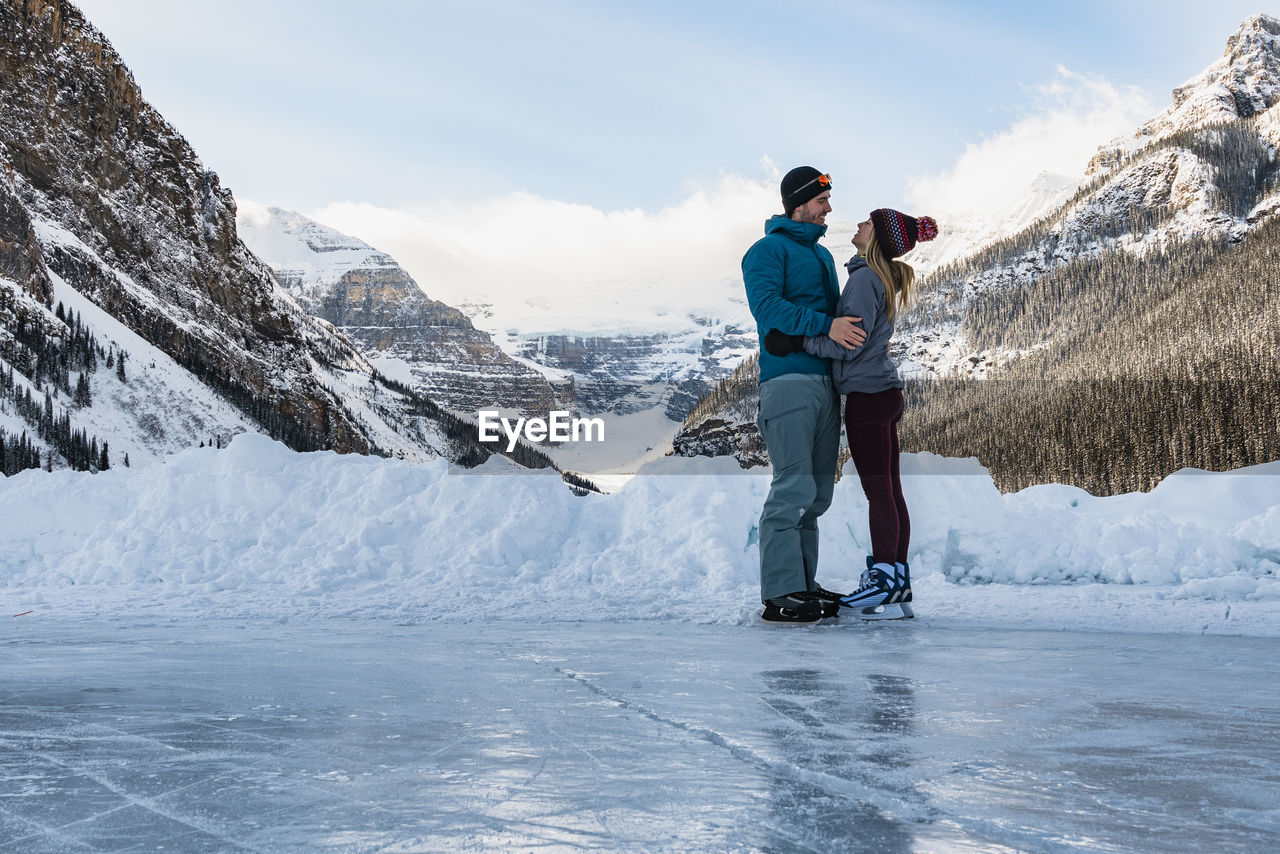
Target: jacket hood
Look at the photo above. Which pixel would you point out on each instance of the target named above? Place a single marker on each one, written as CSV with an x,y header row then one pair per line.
x,y
855,262
801,232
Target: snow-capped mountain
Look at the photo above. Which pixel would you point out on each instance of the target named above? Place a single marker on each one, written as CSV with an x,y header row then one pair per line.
x,y
429,346
629,373
1203,168
655,344
1131,327
642,381
122,275
962,233
1244,82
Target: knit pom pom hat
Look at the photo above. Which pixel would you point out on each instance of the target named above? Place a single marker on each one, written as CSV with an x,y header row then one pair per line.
x,y
897,233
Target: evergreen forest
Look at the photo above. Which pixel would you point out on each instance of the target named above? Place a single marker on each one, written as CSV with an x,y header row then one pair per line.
x,y
1135,366
1108,365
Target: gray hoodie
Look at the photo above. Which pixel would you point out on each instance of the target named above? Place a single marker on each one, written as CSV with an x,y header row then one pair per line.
x,y
867,368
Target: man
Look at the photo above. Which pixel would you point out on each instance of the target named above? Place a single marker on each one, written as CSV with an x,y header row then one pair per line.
x,y
792,287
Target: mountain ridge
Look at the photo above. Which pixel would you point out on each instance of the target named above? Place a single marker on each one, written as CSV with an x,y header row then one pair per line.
x,y
1243,82
426,344
117,245
1002,337
1184,173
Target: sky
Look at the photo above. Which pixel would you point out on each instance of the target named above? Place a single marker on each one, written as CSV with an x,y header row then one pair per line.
x,y
598,128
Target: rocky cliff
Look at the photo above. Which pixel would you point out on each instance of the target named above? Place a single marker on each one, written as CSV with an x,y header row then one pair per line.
x,y
1128,332
1204,168
724,422
373,301
118,246
625,374
1244,82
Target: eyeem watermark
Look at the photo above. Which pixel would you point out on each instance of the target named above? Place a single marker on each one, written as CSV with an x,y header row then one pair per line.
x,y
558,426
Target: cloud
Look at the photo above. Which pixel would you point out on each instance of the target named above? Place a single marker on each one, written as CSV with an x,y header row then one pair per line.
x,y
252,212
1071,116
545,265
540,265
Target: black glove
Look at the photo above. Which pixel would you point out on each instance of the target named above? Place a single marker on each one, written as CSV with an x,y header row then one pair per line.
x,y
782,344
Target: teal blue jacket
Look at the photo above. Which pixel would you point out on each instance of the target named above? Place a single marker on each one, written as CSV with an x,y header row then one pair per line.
x,y
792,287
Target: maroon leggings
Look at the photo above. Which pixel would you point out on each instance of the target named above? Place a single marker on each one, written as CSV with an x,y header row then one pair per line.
x,y
871,423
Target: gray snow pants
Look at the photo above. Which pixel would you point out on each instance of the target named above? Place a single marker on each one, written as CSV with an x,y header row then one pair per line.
x,y
800,422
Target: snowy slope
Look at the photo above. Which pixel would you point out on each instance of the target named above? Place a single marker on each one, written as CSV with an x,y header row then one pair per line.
x,y
286,240
961,233
1175,177
429,346
163,408
160,408
106,208
257,529
1243,82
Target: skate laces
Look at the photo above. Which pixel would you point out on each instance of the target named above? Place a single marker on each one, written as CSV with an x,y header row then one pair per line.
x,y
869,580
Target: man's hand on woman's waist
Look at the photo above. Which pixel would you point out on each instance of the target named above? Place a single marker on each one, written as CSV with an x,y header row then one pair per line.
x,y
846,332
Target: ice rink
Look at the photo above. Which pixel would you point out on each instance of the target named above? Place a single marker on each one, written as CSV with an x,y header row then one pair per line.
x,y
343,735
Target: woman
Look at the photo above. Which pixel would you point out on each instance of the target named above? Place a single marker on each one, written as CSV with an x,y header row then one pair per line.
x,y
877,286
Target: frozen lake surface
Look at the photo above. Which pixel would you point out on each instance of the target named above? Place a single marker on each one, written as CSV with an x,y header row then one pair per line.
x,y
370,736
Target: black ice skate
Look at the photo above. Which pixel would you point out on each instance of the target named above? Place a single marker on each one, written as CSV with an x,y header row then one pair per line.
x,y
794,609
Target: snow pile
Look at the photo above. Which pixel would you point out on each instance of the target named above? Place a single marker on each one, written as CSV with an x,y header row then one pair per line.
x,y
258,529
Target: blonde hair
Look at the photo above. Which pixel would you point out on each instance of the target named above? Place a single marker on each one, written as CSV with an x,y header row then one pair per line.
x,y
898,276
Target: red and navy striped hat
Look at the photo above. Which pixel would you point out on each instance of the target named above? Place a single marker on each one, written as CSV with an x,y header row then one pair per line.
x,y
897,233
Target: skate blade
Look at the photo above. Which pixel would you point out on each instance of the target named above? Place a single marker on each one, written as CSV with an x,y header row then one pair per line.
x,y
900,611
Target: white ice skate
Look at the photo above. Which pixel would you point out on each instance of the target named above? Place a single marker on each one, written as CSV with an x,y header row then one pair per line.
x,y
899,611
877,597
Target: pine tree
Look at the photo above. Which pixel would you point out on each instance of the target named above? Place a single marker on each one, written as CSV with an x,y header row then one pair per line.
x,y
82,395
1144,380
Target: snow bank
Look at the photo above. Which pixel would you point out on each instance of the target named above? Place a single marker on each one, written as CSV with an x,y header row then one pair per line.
x,y
258,529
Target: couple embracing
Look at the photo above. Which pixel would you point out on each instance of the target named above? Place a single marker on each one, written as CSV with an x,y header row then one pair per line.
x,y
819,343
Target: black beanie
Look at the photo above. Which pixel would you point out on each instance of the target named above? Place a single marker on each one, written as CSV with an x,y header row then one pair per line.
x,y
800,185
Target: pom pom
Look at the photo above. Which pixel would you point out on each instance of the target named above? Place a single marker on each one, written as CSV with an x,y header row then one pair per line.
x,y
927,228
